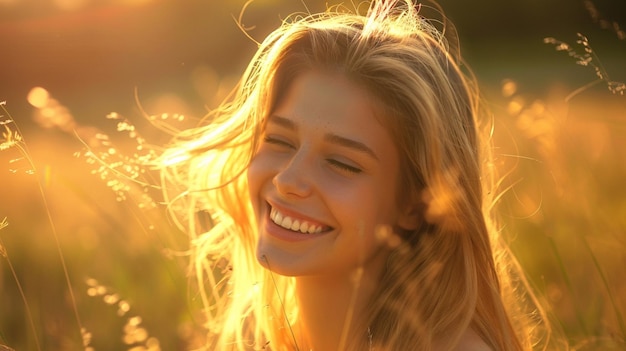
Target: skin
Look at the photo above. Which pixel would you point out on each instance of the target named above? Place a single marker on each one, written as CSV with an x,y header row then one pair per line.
x,y
326,159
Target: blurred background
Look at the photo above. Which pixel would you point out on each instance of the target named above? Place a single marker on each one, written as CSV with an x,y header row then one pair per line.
x,y
82,80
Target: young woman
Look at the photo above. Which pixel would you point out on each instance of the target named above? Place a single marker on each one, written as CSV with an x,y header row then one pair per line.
x,y
346,188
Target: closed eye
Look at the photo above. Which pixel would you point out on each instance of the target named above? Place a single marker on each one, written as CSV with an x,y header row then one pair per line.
x,y
278,142
344,167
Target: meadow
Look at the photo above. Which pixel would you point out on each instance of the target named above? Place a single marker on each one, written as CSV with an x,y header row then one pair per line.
x,y
89,260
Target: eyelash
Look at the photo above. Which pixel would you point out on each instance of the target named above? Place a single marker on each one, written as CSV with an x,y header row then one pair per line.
x,y
344,167
271,140
339,165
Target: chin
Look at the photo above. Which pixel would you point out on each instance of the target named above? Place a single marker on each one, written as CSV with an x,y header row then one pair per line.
x,y
275,264
283,263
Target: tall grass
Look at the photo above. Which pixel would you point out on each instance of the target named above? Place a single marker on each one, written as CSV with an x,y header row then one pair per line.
x,y
12,138
88,260
565,208
82,207
567,203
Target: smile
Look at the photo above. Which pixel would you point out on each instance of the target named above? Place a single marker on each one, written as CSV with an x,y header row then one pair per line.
x,y
295,224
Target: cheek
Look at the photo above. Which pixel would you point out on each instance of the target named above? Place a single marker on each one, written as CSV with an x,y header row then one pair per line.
x,y
256,173
371,206
261,171
354,207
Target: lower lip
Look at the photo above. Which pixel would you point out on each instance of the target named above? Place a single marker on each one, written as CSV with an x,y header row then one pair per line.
x,y
281,233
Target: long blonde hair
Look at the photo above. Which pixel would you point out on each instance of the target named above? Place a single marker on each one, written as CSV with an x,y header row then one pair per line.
x,y
450,275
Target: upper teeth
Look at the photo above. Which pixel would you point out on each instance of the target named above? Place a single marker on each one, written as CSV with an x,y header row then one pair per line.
x,y
297,225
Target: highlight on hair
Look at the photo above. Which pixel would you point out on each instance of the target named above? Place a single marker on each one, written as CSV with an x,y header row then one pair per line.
x,y
452,274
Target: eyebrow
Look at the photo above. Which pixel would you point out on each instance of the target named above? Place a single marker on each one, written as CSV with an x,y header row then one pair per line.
x,y
329,137
283,122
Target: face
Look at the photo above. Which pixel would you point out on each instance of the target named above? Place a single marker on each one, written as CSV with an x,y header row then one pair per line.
x,y
323,180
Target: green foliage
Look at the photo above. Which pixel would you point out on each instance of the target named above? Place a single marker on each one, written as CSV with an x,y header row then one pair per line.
x,y
79,203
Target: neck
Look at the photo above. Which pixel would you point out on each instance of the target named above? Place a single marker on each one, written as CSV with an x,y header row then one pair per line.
x,y
329,308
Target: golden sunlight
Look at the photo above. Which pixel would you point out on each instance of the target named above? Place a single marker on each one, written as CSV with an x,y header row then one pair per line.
x,y
69,5
81,195
38,97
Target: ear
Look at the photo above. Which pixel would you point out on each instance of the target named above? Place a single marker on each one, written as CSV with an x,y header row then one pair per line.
x,y
410,218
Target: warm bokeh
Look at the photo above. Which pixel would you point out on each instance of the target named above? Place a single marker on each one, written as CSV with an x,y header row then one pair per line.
x,y
87,258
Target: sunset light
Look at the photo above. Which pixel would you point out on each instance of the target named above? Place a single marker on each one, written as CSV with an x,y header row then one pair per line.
x,y
110,108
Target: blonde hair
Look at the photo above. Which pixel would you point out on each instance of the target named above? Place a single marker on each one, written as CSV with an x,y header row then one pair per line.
x,y
450,275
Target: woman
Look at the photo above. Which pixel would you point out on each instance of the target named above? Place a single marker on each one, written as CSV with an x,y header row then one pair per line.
x,y
346,189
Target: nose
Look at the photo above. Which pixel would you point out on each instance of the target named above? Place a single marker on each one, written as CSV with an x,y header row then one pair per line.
x,y
294,179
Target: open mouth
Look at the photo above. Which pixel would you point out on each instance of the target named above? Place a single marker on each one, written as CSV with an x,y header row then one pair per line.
x,y
297,225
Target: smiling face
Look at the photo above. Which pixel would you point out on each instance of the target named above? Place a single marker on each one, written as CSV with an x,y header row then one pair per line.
x,y
323,179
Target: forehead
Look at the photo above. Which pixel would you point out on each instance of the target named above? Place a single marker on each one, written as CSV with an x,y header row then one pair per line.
x,y
331,101
327,108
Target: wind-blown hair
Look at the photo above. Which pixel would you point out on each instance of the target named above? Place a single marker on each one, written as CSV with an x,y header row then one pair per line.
x,y
451,274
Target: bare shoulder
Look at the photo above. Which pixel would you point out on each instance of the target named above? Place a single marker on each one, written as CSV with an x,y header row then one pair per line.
x,y
470,341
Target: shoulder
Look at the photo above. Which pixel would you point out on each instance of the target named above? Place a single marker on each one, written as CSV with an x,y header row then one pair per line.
x,y
470,341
